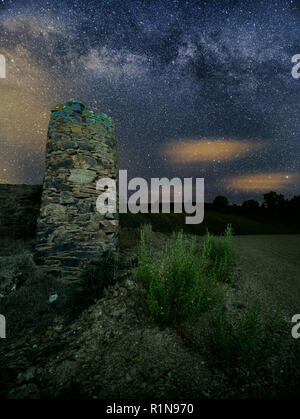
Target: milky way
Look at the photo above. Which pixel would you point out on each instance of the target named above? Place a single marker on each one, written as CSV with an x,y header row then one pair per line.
x,y
171,74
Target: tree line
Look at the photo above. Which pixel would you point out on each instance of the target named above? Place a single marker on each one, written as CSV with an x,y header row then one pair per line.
x,y
274,206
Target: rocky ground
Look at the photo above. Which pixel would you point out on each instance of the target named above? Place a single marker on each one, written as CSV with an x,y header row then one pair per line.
x,y
113,349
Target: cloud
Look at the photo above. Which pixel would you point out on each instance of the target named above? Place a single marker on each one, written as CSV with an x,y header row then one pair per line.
x,y
35,25
25,100
7,172
27,94
208,150
115,64
262,182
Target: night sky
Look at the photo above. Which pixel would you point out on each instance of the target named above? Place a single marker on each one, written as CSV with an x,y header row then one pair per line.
x,y
196,88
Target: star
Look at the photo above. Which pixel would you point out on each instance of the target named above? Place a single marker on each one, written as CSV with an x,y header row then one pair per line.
x,y
166,72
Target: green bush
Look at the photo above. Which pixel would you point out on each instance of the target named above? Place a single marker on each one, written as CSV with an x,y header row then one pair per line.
x,y
220,254
147,230
245,342
178,287
145,271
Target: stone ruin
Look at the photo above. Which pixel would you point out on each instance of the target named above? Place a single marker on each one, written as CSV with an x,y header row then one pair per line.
x,y
81,148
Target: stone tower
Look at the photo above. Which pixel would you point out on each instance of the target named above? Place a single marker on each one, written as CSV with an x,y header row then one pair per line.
x,y
81,148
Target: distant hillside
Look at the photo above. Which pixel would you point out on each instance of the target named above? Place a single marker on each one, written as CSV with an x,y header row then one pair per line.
x,y
19,210
214,220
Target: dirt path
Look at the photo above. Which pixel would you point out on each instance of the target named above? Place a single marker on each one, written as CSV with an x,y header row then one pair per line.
x,y
270,266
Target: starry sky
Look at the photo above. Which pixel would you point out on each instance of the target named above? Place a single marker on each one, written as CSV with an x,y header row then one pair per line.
x,y
196,88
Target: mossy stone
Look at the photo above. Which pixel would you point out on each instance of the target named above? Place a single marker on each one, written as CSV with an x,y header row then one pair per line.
x,y
73,101
82,176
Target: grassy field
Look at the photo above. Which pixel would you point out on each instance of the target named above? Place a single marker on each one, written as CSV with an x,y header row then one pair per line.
x,y
214,221
270,266
267,274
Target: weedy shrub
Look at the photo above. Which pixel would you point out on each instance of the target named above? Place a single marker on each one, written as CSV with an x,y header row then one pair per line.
x,y
147,230
244,342
220,254
145,270
178,287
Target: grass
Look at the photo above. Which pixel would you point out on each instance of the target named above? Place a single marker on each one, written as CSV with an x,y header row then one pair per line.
x,y
214,221
248,345
220,253
254,354
178,285
247,351
245,341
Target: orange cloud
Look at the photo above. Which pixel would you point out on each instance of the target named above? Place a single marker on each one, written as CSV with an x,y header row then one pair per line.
x,y
25,101
262,182
7,173
27,94
208,150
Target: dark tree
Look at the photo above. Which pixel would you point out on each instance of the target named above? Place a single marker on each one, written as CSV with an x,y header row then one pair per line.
x,y
274,203
221,201
250,204
295,202
273,200
294,208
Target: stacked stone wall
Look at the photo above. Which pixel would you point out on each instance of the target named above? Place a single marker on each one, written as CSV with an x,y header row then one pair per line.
x,y
81,148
